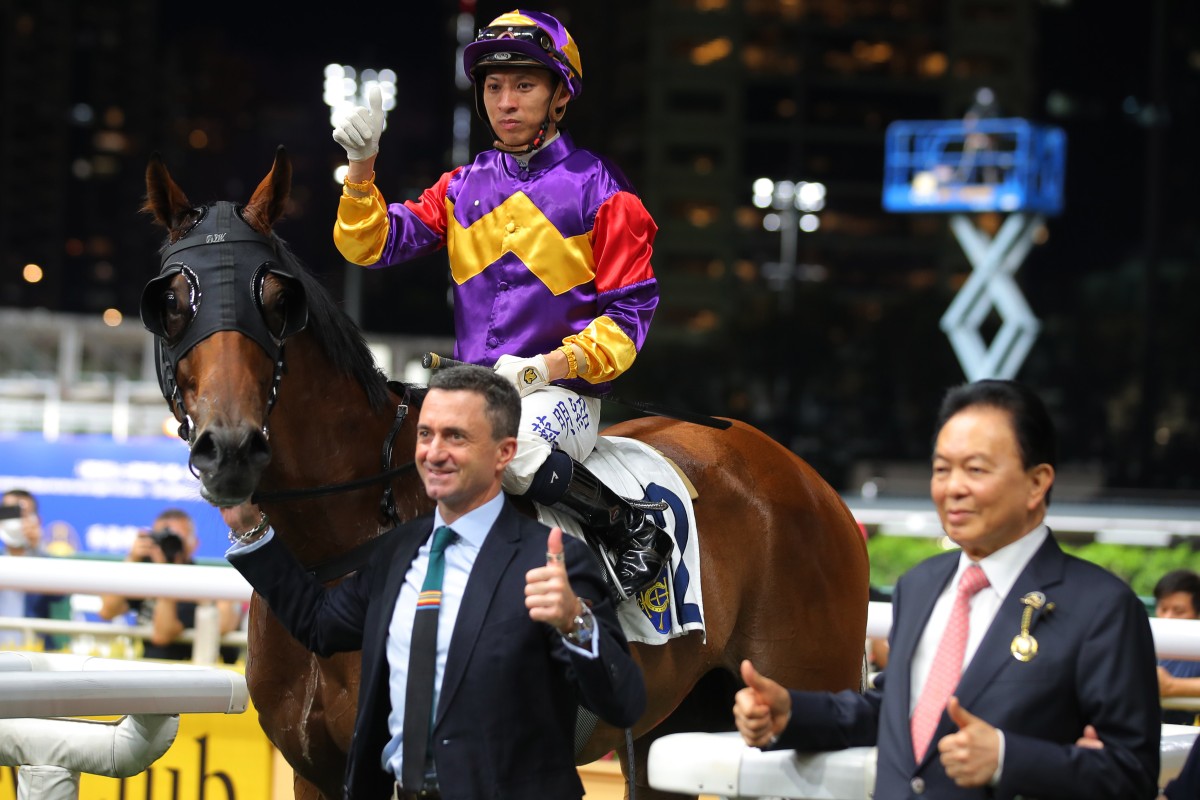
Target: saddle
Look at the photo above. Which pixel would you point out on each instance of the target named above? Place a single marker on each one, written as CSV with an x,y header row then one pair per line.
x,y
672,605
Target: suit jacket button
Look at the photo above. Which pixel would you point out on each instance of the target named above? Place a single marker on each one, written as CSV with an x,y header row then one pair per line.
x,y
917,785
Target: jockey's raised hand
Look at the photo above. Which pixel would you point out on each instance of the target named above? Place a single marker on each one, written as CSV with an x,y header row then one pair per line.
x,y
359,129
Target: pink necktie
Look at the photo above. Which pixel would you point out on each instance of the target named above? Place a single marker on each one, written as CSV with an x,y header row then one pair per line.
x,y
947,663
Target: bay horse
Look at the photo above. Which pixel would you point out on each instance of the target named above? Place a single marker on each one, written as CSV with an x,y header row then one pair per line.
x,y
280,399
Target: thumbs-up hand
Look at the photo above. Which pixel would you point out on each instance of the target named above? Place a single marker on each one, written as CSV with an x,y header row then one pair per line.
x,y
1090,739
359,129
762,709
548,594
972,754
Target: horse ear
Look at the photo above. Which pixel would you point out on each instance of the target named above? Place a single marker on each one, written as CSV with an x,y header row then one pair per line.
x,y
164,199
269,200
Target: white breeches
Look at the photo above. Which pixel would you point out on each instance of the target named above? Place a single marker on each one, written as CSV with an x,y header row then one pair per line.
x,y
552,418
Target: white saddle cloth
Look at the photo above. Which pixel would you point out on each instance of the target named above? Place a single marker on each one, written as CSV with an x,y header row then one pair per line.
x,y
673,605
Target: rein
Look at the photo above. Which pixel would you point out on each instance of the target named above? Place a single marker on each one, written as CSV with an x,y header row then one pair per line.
x,y
353,560
387,505
329,488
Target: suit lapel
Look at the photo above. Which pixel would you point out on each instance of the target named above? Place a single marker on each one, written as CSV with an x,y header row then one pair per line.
x,y
499,549
1043,571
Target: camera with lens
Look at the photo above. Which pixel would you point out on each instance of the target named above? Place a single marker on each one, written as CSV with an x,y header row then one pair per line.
x,y
170,542
12,531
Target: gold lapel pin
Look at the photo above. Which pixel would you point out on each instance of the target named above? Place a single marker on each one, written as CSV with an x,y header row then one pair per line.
x,y
1024,647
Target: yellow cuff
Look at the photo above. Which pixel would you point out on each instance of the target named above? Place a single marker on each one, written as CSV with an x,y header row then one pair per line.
x,y
364,186
572,364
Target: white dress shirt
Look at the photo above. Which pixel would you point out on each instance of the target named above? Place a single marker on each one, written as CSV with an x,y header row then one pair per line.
x,y
472,529
1002,569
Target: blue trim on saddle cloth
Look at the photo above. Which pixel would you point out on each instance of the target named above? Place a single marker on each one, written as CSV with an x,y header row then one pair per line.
x,y
674,604
655,600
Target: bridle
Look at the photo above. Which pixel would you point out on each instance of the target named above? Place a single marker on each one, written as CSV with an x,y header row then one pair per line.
x,y
225,263
387,505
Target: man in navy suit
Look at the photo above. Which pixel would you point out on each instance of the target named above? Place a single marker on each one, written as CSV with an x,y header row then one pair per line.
x,y
525,635
1051,647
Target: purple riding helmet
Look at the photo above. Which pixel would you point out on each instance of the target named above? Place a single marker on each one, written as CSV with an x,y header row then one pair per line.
x,y
524,38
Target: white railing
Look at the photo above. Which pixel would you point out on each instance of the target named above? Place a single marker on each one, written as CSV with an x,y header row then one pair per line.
x,y
63,373
1173,638
51,753
721,764
133,579
115,639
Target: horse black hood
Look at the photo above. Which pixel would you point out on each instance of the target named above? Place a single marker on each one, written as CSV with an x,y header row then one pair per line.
x,y
225,261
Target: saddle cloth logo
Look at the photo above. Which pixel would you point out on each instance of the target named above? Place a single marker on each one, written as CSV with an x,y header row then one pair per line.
x,y
655,602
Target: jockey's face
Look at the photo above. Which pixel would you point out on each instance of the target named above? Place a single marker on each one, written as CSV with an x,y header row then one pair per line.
x,y
517,100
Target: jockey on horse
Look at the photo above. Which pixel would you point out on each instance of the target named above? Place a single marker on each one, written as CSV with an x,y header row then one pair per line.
x,y
549,249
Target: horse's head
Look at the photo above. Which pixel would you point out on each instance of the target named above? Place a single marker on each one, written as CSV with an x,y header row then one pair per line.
x,y
221,308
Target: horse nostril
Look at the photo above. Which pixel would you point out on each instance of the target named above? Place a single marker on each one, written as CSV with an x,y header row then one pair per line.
x,y
219,450
205,452
258,450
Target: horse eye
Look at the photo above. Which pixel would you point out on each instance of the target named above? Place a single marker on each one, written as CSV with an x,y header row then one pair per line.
x,y
273,303
176,315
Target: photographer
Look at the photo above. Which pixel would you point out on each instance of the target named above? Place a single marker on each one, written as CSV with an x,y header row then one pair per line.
x,y
171,540
21,535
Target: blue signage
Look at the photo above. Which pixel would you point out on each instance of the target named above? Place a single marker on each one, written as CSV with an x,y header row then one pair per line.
x,y
94,494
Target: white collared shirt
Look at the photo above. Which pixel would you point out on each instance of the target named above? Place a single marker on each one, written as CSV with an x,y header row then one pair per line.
x,y
472,529
1002,569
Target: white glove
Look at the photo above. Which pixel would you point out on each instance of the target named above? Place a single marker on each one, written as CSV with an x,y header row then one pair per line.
x,y
527,374
359,129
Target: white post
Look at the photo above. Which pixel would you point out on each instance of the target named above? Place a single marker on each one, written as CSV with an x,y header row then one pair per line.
x,y
207,643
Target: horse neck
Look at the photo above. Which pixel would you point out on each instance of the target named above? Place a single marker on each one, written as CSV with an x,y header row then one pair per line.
x,y
323,432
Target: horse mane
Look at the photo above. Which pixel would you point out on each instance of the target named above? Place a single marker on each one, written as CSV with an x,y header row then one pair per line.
x,y
338,336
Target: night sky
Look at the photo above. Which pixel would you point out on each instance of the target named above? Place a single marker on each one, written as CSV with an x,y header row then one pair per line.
x,y
1113,285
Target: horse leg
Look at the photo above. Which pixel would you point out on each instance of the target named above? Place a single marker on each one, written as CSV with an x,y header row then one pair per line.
x,y
306,708
303,790
707,707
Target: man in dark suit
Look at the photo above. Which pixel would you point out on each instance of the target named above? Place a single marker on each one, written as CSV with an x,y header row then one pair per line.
x,y
1049,647
525,632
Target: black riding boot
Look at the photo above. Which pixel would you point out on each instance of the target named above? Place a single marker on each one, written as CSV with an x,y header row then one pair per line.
x,y
639,547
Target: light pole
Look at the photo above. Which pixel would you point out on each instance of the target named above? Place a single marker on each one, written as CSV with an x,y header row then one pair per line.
x,y
346,88
794,208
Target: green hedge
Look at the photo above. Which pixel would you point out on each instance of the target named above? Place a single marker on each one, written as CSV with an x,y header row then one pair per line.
x,y
1140,567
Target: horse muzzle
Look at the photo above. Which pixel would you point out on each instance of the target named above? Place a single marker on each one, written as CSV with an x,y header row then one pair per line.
x,y
229,462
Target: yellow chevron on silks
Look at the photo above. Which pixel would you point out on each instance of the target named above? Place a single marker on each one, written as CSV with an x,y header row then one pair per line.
x,y
520,227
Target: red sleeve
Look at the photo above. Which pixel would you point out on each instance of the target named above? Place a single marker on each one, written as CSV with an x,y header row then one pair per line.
x,y
622,242
430,207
